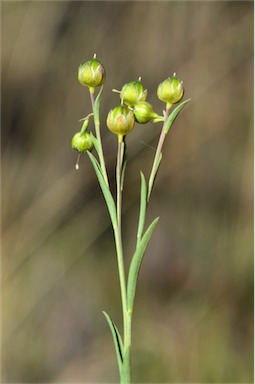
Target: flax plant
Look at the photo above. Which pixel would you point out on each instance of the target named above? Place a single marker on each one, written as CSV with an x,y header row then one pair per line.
x,y
121,120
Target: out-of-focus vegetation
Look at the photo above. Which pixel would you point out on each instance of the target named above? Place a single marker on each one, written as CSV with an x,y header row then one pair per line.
x,y
58,260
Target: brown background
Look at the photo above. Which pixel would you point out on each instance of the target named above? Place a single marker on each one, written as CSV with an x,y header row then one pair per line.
x,y
193,318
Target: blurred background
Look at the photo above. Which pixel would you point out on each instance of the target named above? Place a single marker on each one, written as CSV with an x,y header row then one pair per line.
x,y
193,320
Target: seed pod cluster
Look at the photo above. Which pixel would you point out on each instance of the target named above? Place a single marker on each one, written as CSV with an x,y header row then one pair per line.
x,y
134,106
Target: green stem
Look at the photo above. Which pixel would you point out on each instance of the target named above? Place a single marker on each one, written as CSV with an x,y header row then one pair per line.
x,y
119,250
98,135
158,155
120,154
118,233
126,371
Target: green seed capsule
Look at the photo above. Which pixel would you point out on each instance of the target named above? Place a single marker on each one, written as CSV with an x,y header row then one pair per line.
x,y
144,112
91,73
120,121
133,92
170,90
82,142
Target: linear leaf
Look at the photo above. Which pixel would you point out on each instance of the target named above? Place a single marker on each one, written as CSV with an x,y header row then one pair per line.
x,y
174,114
143,204
136,264
95,142
106,192
97,106
153,176
117,341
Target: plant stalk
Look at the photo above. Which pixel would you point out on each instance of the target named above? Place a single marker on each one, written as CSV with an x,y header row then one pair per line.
x,y
126,371
98,136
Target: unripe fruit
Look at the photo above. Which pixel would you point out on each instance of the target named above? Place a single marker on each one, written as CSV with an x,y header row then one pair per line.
x,y
91,73
170,90
120,120
144,112
82,142
133,92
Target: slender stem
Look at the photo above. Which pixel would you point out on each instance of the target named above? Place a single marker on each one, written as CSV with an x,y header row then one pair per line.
x,y
127,316
157,155
98,135
119,250
128,342
120,154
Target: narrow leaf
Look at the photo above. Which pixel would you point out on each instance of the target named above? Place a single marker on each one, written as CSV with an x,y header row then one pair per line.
x,y
95,142
136,264
95,163
153,176
117,341
97,106
174,114
143,204
158,163
106,192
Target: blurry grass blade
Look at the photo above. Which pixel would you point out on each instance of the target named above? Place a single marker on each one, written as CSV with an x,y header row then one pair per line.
x,y
143,204
117,341
106,192
174,114
136,264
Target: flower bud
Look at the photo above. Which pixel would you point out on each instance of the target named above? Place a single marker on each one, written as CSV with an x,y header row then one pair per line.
x,y
144,112
91,73
82,142
133,92
170,90
120,120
